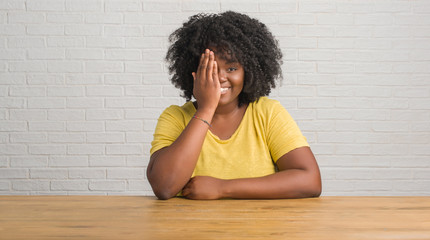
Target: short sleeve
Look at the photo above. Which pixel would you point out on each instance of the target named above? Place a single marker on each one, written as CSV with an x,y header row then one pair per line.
x,y
283,134
170,125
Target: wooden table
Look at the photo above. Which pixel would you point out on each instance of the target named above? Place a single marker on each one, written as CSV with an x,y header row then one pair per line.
x,y
109,217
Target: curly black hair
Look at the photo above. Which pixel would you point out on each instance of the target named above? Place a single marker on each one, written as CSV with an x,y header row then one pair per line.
x,y
239,38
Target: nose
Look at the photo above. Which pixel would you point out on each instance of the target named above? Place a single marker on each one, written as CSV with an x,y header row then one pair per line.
x,y
222,76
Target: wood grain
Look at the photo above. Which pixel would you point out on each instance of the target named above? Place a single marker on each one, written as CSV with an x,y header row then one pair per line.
x,y
115,217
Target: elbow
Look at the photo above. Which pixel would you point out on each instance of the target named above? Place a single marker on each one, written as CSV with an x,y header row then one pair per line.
x,y
316,188
160,190
316,191
164,195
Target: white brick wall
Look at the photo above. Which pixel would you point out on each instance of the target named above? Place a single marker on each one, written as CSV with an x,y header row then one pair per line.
x,y
82,83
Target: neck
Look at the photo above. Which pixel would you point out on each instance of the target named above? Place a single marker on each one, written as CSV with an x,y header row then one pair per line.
x,y
226,110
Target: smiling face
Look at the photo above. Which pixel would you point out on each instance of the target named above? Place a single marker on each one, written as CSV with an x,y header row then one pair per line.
x,y
231,76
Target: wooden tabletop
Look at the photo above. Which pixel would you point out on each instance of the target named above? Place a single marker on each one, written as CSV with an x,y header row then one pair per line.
x,y
109,217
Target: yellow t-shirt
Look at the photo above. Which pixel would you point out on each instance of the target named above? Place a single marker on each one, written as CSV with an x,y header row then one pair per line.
x,y
266,133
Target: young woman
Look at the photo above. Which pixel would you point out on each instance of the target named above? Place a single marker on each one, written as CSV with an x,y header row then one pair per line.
x,y
232,141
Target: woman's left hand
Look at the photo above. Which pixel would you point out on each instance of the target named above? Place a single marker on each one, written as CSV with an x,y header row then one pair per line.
x,y
203,187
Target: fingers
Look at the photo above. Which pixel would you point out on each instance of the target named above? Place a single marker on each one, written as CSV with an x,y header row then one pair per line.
x,y
209,76
215,73
204,64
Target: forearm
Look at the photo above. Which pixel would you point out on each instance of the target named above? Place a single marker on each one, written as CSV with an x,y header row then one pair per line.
x,y
171,167
294,183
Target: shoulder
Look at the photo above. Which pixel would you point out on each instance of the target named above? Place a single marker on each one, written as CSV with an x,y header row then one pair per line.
x,y
179,111
265,105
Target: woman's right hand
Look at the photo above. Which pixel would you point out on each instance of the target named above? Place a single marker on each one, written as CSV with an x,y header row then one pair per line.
x,y
207,89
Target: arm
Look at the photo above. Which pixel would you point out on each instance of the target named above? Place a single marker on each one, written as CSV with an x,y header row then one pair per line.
x,y
170,168
298,177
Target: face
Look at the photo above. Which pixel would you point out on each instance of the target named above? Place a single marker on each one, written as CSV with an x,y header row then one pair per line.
x,y
231,76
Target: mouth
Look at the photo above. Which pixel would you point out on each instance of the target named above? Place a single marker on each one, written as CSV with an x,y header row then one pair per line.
x,y
224,90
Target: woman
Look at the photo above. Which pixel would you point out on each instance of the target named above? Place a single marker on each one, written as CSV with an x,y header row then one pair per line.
x,y
232,141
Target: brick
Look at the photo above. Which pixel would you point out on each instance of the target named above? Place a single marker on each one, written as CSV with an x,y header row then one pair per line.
x,y
116,54
124,149
85,126
48,173
65,67
46,54
95,114
46,103
85,173
44,30
126,173
144,42
275,6
145,91
316,55
27,66
143,67
105,137
12,126
64,18
27,17
371,114
83,54
334,114
85,103
69,41
125,125
12,5
104,67
13,173
321,125
390,149
12,54
123,79
4,186
314,6
80,78
202,6
107,161
65,91
142,18
104,42
28,138
68,161
107,185
139,137
66,115
46,126
47,149
106,18
143,114
123,31
83,30
69,185
390,126
353,126
31,185
136,185
66,137
300,67
84,5
84,149
159,30
124,102
407,138
366,137
46,5
123,6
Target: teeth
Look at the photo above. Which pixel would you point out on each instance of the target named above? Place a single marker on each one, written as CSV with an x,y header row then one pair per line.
x,y
223,90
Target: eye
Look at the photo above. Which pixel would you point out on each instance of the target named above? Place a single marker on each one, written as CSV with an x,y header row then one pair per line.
x,y
231,69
